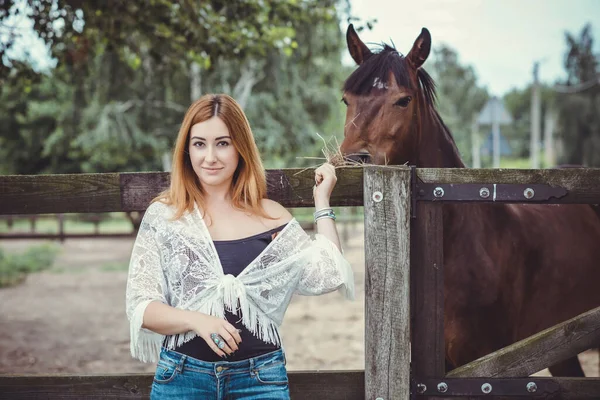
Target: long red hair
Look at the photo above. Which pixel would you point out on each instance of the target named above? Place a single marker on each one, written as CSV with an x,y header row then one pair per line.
x,y
249,183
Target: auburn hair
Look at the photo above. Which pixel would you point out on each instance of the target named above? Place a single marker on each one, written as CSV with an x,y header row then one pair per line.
x,y
249,183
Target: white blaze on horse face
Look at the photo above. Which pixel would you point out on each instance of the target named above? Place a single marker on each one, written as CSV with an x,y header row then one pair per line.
x,y
379,84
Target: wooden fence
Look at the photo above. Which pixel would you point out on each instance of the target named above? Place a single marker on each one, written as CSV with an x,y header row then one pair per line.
x,y
504,373
62,234
390,199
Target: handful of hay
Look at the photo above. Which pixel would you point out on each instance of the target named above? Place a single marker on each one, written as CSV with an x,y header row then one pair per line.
x,y
332,155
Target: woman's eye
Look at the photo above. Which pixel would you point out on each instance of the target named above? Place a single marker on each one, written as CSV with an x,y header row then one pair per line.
x,y
344,101
202,144
403,102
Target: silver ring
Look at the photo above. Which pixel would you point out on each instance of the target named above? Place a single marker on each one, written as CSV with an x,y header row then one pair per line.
x,y
219,341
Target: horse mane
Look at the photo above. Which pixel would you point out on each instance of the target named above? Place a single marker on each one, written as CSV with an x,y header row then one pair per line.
x,y
379,65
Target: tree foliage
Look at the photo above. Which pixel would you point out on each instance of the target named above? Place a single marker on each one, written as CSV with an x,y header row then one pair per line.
x,y
518,104
167,31
579,110
576,102
459,95
127,72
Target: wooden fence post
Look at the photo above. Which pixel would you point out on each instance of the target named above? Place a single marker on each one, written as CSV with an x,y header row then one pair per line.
x,y
427,293
61,226
387,261
427,276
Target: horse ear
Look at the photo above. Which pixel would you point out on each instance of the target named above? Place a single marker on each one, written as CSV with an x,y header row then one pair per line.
x,y
358,50
420,50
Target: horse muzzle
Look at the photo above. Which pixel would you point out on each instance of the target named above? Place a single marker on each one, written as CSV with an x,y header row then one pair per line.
x,y
358,158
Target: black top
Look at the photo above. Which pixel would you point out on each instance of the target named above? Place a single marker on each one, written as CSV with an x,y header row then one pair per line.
x,y
235,255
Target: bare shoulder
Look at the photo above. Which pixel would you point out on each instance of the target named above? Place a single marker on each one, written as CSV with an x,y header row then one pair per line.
x,y
276,210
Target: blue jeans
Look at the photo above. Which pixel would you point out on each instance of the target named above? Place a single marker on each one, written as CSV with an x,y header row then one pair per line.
x,y
182,377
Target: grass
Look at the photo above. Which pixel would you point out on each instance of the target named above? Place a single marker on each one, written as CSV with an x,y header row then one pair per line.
x,y
14,267
514,163
64,270
517,163
115,266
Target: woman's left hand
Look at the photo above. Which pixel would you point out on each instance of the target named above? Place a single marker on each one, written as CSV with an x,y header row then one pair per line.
x,y
325,181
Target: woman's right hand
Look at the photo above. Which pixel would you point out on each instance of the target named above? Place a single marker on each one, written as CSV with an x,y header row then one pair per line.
x,y
325,180
204,325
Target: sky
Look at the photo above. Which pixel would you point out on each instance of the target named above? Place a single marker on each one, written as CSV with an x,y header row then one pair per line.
x,y
500,39
28,45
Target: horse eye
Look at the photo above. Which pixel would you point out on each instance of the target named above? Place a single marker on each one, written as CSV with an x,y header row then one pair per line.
x,y
344,101
403,102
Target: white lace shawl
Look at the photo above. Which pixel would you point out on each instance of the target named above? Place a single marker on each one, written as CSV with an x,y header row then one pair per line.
x,y
175,262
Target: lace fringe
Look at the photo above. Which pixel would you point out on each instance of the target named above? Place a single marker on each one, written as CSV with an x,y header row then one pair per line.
x,y
257,323
145,344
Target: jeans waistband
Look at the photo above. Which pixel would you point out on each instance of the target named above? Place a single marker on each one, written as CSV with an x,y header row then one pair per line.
x,y
183,360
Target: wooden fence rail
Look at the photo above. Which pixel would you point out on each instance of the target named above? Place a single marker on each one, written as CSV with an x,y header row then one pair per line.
x,y
347,385
86,193
512,388
537,352
582,184
60,219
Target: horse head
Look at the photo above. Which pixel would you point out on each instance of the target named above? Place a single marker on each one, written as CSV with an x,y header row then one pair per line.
x,y
390,99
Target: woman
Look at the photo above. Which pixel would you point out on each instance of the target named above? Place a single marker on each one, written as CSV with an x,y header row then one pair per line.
x,y
215,264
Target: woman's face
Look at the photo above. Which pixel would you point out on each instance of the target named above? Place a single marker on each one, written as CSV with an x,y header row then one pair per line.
x,y
213,156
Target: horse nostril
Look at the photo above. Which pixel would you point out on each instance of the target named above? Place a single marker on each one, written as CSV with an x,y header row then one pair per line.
x,y
362,158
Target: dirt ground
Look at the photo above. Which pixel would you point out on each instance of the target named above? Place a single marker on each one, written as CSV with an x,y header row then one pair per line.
x,y
71,318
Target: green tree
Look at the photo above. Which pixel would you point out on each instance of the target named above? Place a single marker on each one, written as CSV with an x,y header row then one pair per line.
x,y
299,98
112,104
518,104
579,104
27,118
166,30
459,96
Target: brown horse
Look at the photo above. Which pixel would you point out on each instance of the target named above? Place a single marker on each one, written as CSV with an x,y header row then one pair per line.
x,y
511,270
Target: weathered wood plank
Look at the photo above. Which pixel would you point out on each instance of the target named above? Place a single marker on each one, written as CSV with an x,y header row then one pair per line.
x,y
583,184
387,282
130,386
513,388
293,187
427,297
39,194
35,194
139,188
578,388
539,351
334,385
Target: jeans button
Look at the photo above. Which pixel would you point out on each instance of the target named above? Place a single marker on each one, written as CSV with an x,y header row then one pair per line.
x,y
219,369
